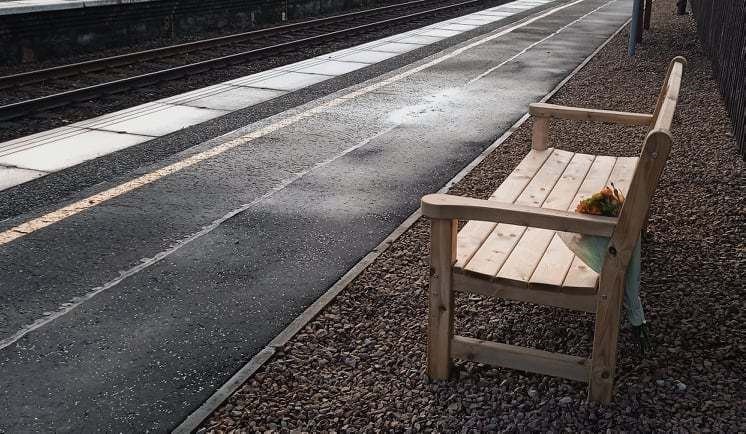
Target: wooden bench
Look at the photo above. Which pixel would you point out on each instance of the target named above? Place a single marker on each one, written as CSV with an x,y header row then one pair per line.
x,y
509,248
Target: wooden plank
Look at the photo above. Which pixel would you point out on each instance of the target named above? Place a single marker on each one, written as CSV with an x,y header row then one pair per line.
x,y
566,188
526,255
528,252
518,291
475,232
668,107
440,313
624,170
521,358
514,185
444,206
595,180
550,172
534,192
604,168
544,110
470,239
580,275
554,264
495,250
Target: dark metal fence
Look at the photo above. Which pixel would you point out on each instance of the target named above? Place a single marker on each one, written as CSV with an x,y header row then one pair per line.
x,y
722,28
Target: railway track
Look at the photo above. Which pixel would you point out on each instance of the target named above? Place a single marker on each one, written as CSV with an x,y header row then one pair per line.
x,y
46,89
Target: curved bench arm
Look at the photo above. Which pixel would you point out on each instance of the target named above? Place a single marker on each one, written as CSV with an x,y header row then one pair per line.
x,y
544,110
445,206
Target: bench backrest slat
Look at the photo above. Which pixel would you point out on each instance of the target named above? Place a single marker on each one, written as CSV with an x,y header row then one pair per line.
x,y
653,158
668,96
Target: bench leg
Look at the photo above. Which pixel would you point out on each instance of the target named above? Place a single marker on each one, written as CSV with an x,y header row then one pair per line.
x,y
606,335
440,315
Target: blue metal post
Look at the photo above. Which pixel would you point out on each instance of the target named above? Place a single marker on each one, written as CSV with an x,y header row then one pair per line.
x,y
635,27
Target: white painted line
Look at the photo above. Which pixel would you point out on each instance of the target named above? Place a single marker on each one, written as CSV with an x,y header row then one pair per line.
x,y
94,200
194,420
89,202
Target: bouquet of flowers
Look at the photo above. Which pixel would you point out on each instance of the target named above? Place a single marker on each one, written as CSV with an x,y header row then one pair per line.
x,y
592,250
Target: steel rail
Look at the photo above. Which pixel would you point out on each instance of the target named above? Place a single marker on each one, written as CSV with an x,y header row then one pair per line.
x,y
18,109
31,77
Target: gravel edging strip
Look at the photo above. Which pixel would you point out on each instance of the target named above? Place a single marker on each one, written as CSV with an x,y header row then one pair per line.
x,y
196,419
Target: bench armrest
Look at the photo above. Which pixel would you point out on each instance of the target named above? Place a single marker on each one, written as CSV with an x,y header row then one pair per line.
x,y
543,110
445,206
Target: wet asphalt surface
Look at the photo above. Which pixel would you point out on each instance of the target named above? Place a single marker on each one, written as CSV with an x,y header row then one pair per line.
x,y
144,353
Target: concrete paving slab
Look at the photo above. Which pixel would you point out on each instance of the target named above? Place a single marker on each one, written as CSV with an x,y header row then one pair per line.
x,y
230,98
420,39
475,21
121,115
367,56
10,176
286,80
456,26
333,67
164,120
84,145
30,6
490,14
396,47
21,143
438,33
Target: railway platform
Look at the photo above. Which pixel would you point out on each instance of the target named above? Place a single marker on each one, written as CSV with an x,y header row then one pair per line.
x,y
37,155
128,300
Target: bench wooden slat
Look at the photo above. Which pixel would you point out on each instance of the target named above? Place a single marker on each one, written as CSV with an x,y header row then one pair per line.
x,y
530,249
584,301
606,169
496,249
554,263
474,233
535,191
541,185
521,358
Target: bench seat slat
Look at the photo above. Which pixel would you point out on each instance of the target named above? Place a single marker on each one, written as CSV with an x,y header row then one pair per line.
x,y
534,192
474,233
496,249
620,173
579,275
521,265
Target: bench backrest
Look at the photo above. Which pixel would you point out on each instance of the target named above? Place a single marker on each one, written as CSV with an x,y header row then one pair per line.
x,y
653,158
669,95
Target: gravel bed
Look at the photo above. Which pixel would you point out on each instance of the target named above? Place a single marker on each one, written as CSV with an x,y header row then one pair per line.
x,y
69,114
359,366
